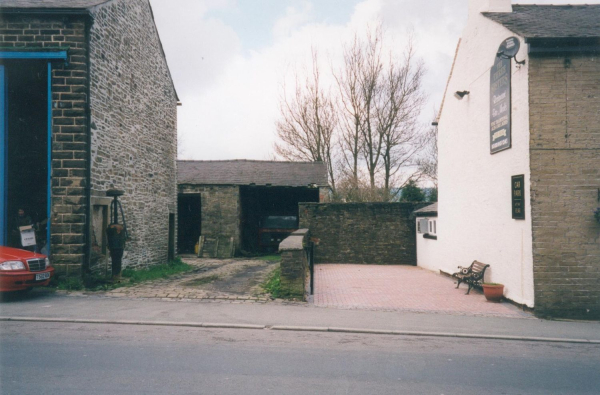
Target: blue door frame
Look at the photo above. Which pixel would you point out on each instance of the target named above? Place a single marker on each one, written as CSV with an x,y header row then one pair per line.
x,y
38,55
3,117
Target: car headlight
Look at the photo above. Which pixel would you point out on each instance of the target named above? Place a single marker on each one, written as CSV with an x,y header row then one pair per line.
x,y
48,262
12,265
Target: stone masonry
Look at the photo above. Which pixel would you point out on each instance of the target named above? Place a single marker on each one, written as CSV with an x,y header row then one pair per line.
x,y
565,180
295,270
116,77
369,233
134,125
220,209
69,104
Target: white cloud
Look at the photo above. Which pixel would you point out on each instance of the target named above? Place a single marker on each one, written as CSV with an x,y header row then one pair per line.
x,y
293,19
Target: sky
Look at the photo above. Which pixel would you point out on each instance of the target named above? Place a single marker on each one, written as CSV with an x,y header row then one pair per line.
x,y
230,58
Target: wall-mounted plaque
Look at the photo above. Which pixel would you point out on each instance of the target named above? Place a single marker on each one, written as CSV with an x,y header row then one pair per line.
x,y
500,105
518,196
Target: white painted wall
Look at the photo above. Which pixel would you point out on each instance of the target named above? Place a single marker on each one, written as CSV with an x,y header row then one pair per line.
x,y
474,211
428,250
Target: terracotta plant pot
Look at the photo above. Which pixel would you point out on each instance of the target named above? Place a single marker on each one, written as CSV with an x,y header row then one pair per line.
x,y
493,292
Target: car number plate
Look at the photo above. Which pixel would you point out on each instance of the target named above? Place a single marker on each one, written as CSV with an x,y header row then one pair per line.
x,y
42,276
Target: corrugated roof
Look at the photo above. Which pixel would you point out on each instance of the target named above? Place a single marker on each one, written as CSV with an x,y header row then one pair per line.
x,y
551,21
246,172
67,4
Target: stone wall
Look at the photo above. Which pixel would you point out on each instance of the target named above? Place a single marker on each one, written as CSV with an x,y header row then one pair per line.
x,y
134,125
565,177
295,270
69,126
369,233
220,209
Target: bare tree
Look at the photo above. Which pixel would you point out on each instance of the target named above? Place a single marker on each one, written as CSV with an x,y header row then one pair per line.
x,y
359,84
351,108
308,122
368,134
398,112
381,100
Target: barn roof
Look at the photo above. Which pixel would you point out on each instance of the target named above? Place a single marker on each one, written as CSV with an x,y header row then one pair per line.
x,y
247,172
551,21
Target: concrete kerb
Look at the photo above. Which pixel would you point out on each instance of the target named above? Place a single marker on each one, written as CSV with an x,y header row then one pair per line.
x,y
302,329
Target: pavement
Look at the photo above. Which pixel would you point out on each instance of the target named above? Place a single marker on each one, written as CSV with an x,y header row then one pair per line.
x,y
348,298
39,306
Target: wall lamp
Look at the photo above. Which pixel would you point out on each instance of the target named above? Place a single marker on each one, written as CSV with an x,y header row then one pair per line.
x,y
460,94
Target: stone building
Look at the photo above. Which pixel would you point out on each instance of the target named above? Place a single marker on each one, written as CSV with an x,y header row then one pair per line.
x,y
89,105
519,154
234,198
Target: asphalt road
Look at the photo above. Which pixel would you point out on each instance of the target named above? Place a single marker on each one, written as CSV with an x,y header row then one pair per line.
x,y
54,358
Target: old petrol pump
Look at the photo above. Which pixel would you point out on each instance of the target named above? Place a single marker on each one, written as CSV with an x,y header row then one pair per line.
x,y
116,233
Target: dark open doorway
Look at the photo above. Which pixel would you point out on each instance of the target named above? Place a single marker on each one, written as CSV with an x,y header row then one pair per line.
x,y
270,207
25,157
189,218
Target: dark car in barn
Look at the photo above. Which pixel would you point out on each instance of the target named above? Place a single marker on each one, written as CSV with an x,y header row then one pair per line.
x,y
273,229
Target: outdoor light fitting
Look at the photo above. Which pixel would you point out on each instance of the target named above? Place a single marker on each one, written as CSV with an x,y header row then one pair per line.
x,y
460,94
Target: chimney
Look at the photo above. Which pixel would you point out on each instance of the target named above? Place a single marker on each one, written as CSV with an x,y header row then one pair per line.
x,y
478,6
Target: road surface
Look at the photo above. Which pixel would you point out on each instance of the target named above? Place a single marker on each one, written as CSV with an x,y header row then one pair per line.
x,y
60,358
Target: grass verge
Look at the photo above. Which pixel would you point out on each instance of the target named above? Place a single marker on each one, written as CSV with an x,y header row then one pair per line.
x,y
270,258
273,284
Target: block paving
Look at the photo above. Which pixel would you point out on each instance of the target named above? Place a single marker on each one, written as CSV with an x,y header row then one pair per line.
x,y
406,288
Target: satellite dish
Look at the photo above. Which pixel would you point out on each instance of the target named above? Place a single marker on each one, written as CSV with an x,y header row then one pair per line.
x,y
509,48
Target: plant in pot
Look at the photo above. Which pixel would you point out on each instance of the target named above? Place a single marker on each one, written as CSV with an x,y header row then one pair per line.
x,y
493,292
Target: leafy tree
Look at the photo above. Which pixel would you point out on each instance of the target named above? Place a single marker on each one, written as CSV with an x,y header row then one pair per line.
x,y
412,193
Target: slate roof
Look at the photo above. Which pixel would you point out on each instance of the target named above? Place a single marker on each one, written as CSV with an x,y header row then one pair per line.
x,y
65,4
432,209
246,172
551,21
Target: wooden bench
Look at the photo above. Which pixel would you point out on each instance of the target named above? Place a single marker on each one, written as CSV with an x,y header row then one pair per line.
x,y
472,275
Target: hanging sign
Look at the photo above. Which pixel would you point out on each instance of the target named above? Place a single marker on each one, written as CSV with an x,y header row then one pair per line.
x,y
500,100
518,197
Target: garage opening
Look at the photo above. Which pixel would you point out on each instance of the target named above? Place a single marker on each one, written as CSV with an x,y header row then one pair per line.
x,y
269,214
25,155
189,219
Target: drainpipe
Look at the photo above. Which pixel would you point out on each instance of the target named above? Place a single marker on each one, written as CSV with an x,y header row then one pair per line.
x,y
88,184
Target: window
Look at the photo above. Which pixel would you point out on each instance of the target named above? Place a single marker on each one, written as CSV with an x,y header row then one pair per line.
x,y
432,226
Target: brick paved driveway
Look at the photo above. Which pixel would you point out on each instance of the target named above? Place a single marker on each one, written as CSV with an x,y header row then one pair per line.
x,y
399,288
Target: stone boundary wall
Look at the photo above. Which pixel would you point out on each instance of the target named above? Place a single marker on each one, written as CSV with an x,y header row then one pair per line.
x,y
134,125
364,233
565,178
69,126
295,270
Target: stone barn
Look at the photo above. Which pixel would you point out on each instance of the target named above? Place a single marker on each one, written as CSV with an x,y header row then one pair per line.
x,y
252,204
87,104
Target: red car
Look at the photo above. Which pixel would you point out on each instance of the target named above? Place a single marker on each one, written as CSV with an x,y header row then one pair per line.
x,y
21,270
